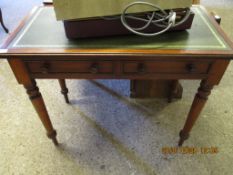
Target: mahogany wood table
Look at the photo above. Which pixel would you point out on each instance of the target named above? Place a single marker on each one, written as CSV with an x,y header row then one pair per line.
x,y
39,49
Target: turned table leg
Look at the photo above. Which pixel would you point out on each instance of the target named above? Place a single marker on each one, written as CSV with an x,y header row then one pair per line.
x,y
1,21
38,103
64,89
198,104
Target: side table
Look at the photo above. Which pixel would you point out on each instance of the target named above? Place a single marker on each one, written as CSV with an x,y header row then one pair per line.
x,y
201,53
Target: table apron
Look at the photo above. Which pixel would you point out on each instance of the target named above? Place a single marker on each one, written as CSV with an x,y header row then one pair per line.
x,y
127,69
130,76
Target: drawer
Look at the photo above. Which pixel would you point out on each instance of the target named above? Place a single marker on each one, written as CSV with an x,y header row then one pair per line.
x,y
82,67
166,67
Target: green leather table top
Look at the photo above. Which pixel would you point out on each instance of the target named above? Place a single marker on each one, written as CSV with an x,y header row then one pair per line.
x,y
44,31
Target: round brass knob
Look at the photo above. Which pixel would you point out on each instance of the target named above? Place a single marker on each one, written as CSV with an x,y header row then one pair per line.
x,y
45,68
191,68
94,68
141,68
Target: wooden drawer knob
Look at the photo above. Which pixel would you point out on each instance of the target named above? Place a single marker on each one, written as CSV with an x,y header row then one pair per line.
x,y
45,68
141,68
191,68
94,68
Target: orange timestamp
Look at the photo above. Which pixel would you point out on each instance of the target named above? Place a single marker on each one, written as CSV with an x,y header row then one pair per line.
x,y
190,150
